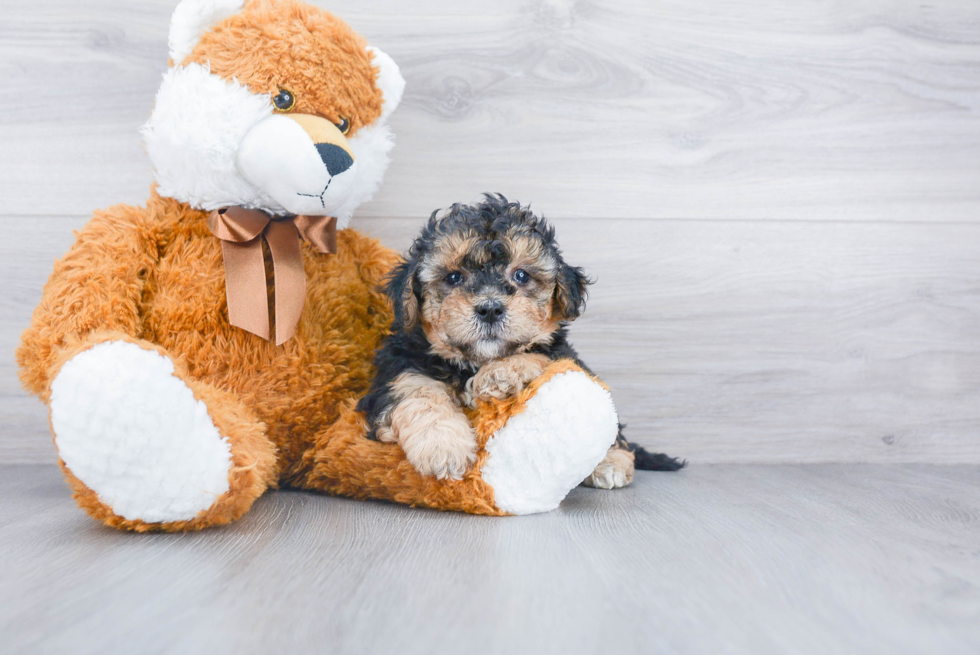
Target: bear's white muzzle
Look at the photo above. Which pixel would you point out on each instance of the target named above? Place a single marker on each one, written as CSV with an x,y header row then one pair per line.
x,y
302,161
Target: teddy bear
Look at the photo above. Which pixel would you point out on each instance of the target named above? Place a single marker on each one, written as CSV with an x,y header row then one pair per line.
x,y
212,344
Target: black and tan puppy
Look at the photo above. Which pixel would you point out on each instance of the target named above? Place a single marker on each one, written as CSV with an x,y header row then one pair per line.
x,y
481,304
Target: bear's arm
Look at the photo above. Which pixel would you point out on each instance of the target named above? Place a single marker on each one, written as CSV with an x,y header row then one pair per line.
x,y
96,286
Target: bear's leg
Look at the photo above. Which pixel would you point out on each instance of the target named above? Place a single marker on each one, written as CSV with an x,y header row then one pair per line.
x,y
345,462
535,448
145,447
543,442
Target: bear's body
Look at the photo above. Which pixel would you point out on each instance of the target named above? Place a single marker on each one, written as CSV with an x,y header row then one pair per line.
x,y
166,415
175,299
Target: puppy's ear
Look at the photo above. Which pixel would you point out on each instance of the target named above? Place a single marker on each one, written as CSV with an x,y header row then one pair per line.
x,y
570,292
402,289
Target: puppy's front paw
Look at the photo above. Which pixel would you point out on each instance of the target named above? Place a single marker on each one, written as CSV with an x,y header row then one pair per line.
x,y
445,448
615,471
506,377
436,437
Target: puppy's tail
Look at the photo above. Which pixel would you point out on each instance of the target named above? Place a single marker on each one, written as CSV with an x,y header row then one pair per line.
x,y
647,461
644,460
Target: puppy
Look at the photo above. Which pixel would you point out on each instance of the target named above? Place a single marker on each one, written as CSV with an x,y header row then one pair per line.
x,y
481,305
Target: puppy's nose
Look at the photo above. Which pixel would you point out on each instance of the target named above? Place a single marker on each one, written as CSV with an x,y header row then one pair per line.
x,y
334,157
490,311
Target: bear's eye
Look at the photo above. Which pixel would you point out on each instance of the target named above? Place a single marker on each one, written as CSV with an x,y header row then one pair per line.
x,y
343,125
521,276
454,278
284,100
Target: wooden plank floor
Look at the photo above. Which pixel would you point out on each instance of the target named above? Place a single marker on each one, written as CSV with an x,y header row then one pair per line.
x,y
717,559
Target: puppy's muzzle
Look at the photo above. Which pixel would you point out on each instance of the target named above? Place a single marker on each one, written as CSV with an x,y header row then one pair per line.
x,y
489,312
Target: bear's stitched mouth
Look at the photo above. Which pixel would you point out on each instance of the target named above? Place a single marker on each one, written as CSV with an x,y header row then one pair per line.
x,y
318,195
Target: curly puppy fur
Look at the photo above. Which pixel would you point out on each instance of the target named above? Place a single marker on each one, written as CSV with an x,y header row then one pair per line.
x,y
481,305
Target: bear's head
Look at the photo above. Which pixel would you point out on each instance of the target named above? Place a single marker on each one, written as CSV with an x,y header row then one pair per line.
x,y
274,105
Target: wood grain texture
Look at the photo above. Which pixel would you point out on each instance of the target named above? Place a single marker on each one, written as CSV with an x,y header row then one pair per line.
x,y
725,559
864,110
723,341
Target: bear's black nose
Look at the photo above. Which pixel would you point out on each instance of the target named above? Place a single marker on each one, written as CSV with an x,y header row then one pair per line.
x,y
490,312
334,157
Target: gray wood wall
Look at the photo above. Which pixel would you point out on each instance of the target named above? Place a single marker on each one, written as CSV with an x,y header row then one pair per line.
x,y
780,201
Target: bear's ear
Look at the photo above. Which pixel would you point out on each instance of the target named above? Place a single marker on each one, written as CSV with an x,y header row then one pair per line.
x,y
389,81
191,19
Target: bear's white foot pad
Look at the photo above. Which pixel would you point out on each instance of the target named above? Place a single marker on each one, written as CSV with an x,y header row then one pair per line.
x,y
135,435
548,449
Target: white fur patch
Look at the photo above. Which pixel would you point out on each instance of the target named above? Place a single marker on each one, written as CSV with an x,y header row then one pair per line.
x,y
191,19
135,435
193,137
548,449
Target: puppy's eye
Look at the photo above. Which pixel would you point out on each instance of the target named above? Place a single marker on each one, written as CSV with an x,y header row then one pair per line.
x,y
521,276
454,278
284,101
343,125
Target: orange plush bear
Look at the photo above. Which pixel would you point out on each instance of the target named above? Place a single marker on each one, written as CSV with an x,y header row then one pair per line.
x,y
211,345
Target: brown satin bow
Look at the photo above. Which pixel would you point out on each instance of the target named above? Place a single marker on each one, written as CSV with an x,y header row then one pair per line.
x,y
241,232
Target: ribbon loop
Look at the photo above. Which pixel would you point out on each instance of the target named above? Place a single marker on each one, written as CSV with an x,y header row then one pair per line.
x,y
237,224
241,232
320,231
